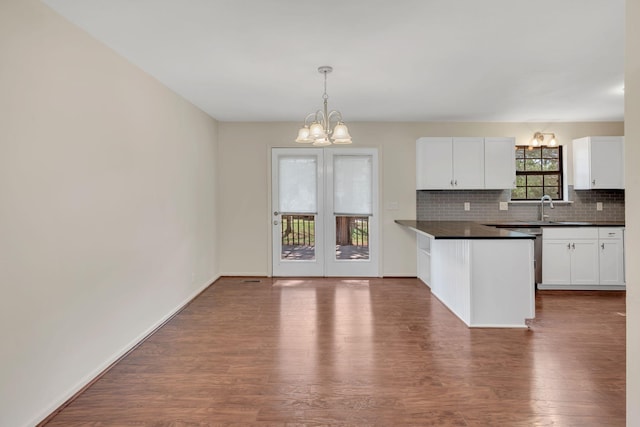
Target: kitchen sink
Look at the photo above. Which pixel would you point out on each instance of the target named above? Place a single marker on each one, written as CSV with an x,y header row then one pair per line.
x,y
570,222
548,223
535,223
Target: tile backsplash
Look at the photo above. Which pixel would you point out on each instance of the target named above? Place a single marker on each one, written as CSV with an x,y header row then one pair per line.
x,y
440,205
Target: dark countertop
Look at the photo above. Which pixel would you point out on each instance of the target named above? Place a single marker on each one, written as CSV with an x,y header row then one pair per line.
x,y
492,230
531,224
461,230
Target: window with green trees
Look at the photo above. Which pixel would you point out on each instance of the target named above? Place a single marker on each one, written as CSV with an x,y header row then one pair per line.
x,y
538,172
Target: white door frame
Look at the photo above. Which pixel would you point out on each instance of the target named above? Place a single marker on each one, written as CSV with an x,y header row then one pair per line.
x,y
325,262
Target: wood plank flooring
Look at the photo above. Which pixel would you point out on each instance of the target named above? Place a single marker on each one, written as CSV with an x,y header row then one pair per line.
x,y
360,352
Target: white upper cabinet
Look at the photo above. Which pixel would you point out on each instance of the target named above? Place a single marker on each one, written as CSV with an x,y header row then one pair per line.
x,y
452,163
468,163
499,163
434,163
598,162
449,163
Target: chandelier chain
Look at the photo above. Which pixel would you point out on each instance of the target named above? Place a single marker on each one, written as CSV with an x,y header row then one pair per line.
x,y
325,95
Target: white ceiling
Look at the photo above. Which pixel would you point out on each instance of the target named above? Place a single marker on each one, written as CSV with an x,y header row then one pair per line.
x,y
403,60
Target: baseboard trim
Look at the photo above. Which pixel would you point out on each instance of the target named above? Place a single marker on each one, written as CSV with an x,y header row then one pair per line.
x,y
114,360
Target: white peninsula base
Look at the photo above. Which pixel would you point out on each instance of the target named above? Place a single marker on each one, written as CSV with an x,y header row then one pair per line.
x,y
486,283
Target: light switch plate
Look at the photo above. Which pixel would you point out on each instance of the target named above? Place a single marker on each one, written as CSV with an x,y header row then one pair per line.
x,y
598,206
467,206
504,206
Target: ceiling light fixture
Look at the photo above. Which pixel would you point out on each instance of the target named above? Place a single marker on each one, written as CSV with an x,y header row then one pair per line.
x,y
539,139
319,132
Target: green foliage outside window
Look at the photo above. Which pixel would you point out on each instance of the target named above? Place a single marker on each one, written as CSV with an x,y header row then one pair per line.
x,y
538,172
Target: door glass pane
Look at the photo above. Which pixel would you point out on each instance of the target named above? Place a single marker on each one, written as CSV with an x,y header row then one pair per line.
x,y
297,184
297,187
298,237
352,189
352,237
352,195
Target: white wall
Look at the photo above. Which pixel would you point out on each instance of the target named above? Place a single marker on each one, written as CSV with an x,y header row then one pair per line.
x,y
632,207
107,207
244,196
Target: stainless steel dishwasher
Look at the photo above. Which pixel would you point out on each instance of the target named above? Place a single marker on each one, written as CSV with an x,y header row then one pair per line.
x,y
537,249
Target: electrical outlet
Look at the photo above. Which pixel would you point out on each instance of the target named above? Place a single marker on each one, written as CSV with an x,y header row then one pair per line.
x,y
504,206
467,206
598,206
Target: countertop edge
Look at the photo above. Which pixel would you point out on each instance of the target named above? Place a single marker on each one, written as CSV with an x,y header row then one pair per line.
x,y
461,230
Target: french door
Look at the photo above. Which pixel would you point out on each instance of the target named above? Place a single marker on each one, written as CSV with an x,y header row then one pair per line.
x,y
324,212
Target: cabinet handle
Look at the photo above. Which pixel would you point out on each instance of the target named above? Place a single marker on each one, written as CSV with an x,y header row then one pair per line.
x,y
593,182
573,246
602,246
455,182
568,245
452,183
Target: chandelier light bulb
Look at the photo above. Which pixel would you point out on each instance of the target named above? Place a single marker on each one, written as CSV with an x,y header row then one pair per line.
x,y
341,131
320,142
316,131
303,135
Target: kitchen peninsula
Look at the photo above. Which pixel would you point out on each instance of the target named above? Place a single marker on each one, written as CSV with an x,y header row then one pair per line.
x,y
484,275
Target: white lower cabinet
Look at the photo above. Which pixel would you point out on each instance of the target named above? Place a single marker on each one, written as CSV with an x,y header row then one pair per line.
x,y
582,258
611,247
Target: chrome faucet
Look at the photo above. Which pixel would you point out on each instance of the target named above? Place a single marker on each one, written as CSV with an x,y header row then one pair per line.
x,y
545,198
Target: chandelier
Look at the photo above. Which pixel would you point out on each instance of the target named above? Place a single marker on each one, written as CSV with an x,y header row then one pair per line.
x,y
320,131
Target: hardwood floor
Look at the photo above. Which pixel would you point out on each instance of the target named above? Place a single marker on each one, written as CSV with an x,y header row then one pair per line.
x,y
360,352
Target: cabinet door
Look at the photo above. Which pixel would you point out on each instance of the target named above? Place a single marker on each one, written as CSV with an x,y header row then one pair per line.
x,y
611,262
556,262
607,162
584,262
499,163
434,164
581,163
468,163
